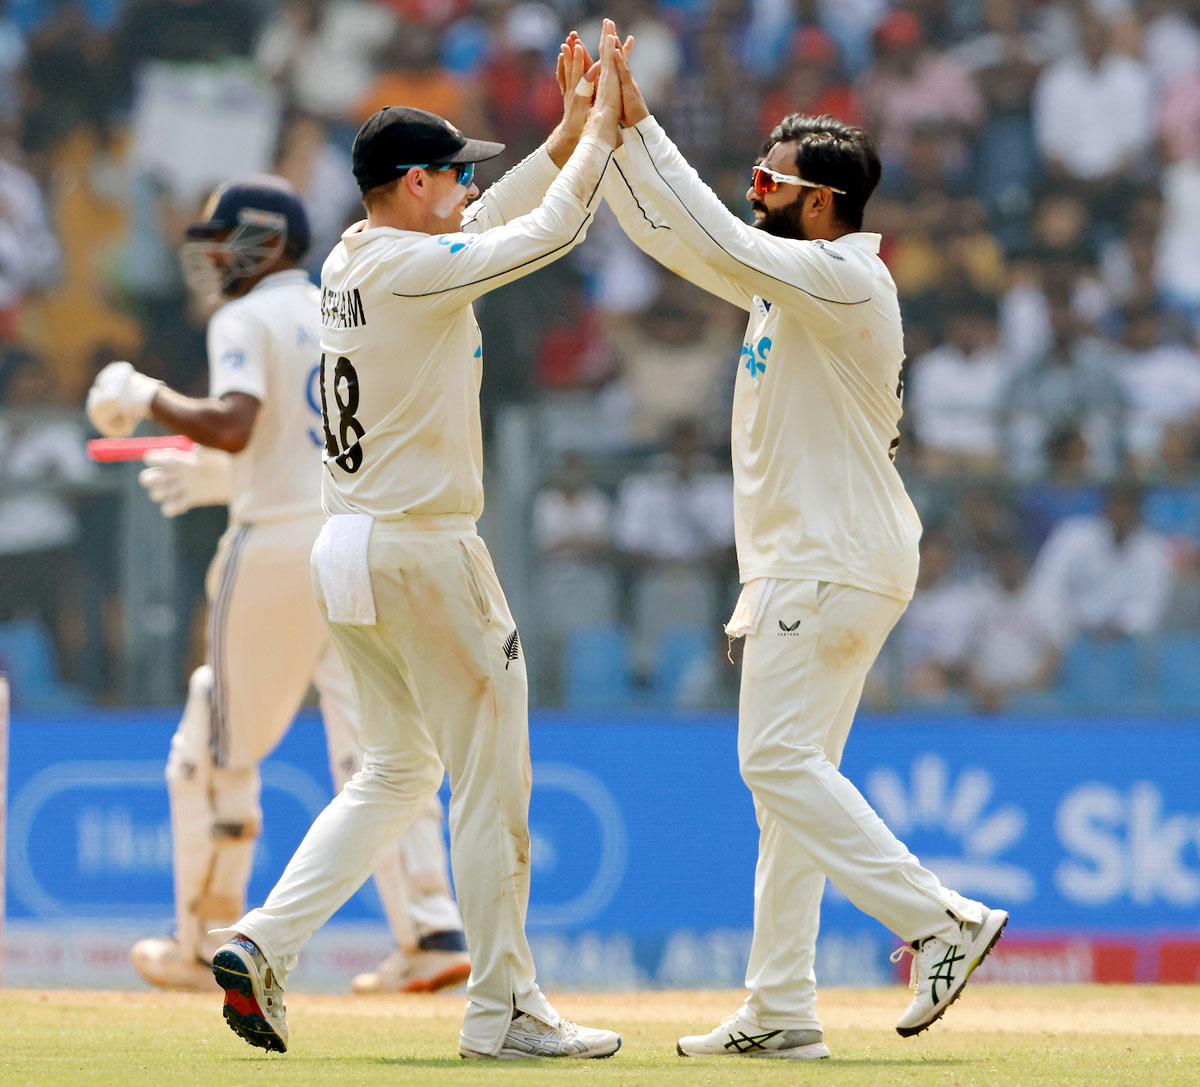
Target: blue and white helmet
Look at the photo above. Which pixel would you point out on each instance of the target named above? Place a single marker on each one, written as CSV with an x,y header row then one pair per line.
x,y
247,223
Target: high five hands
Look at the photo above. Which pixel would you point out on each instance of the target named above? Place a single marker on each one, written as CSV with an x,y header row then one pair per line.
x,y
576,70
591,93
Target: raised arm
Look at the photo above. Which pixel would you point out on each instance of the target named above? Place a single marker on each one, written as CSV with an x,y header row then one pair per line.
x,y
521,190
795,274
457,268
647,228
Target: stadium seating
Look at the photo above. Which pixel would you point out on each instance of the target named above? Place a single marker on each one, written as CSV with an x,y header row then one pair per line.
x,y
1101,675
27,657
1176,678
678,649
597,669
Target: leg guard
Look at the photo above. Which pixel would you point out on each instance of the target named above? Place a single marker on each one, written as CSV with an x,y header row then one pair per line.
x,y
215,820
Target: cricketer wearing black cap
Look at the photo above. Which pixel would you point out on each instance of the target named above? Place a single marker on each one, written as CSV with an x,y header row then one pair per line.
x,y
398,138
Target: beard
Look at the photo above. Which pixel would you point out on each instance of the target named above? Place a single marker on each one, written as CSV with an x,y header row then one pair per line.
x,y
785,222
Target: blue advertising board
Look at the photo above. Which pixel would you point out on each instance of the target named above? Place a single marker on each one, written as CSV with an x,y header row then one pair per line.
x,y
643,835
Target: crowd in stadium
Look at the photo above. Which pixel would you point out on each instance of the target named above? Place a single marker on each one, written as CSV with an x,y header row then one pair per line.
x,y
1040,209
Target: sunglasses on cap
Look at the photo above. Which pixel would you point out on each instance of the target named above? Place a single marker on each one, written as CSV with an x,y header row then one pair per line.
x,y
768,181
465,170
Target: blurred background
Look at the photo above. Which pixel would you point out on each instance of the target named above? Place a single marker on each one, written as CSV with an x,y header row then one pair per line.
x,y
1040,210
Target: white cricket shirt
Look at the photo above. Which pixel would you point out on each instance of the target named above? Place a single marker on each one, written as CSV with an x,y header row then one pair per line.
x,y
266,344
816,403
402,352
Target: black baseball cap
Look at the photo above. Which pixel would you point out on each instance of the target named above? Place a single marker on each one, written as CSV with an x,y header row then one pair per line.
x,y
259,192
400,136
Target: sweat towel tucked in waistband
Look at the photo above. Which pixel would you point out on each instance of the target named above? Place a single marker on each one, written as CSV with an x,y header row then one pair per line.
x,y
340,558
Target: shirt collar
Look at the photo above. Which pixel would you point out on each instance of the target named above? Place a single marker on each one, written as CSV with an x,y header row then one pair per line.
x,y
275,279
860,239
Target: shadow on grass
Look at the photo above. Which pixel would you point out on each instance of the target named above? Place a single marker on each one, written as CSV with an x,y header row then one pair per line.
x,y
555,1065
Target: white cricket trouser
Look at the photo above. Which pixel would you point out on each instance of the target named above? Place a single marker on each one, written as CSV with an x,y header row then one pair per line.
x,y
267,642
803,670
440,680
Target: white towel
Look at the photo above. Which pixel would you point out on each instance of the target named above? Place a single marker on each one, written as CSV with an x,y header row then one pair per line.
x,y
751,603
340,556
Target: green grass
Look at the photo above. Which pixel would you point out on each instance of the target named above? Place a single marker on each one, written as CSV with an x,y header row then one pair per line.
x,y
996,1035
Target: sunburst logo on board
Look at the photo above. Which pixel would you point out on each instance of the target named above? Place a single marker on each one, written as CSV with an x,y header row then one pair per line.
x,y
953,825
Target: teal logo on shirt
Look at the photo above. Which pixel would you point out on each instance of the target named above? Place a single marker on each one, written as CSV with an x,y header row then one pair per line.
x,y
456,242
754,356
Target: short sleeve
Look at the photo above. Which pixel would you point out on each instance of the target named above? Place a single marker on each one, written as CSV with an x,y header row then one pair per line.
x,y
236,355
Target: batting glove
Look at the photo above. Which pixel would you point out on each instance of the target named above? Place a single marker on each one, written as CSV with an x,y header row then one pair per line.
x,y
119,399
179,481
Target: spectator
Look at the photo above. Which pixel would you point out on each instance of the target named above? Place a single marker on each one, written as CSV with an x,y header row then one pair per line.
x,y
1005,165
1129,264
576,585
320,170
933,632
67,83
681,510
29,252
1073,385
409,71
1059,261
930,165
672,357
912,83
958,393
1105,576
713,108
1015,645
1067,489
573,352
1161,383
335,38
1170,40
522,100
1173,492
674,530
1179,117
657,62
41,459
981,512
1177,253
1093,118
572,518
809,82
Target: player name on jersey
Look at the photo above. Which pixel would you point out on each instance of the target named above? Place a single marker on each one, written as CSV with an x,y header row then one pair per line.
x,y
342,309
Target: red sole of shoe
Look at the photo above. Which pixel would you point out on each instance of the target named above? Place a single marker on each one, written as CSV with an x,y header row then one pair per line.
x,y
456,975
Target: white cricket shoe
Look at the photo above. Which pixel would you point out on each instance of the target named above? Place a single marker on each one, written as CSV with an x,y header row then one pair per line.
x,y
530,1037
254,1006
940,969
737,1036
161,961
418,972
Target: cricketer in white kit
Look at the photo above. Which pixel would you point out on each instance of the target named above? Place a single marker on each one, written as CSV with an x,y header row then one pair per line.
x,y
266,640
407,585
827,549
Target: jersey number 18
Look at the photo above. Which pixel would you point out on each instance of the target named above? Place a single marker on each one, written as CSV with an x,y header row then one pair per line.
x,y
347,455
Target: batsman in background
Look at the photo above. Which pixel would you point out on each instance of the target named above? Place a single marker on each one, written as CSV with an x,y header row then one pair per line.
x,y
259,435
406,583
827,549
